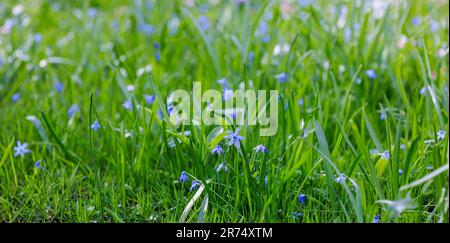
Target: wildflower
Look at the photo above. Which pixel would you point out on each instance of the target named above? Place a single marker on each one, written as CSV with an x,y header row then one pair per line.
x,y
266,180
72,110
402,146
157,56
203,22
423,90
92,12
222,166
38,164
297,215
441,134
400,172
302,198
128,105
234,138
376,219
434,26
156,45
150,99
306,132
341,178
146,29
15,97
223,82
37,38
195,185
261,148
281,77
21,149
59,87
371,74
305,3
251,56
171,143
227,94
416,21
383,116
301,102
184,177
95,126
386,155
217,150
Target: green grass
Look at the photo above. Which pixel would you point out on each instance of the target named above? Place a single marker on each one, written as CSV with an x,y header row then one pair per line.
x,y
128,172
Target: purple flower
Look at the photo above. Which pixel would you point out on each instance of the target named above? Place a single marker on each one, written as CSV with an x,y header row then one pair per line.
x,y
341,178
376,219
416,21
260,148
223,82
434,26
92,12
38,164
195,185
128,105
59,87
302,198
400,172
146,29
234,138
72,110
371,74
423,90
222,166
21,149
383,116
217,150
156,45
281,77
203,22
37,38
386,155
95,126
150,99
184,177
441,134
297,215
15,97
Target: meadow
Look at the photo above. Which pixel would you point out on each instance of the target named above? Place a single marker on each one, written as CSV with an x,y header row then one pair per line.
x,y
85,131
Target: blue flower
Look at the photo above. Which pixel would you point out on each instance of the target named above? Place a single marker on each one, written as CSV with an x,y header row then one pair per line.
x,y
234,138
376,219
195,185
157,56
156,45
266,180
400,172
429,167
423,90
222,166
386,155
441,134
261,148
38,164
251,56
416,21
95,126
15,97
383,116
150,99
341,178
301,102
217,150
297,215
146,29
37,38
184,177
72,110
281,77
21,149
371,74
92,12
128,105
223,82
434,26
203,22
305,3
302,198
59,87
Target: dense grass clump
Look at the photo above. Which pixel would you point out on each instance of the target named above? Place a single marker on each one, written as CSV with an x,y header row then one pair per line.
x,y
363,111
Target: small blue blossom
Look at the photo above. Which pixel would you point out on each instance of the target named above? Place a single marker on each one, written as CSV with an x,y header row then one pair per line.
x,y
301,102
157,56
223,82
37,38
217,150
383,116
184,177
156,45
170,110
302,198
386,155
402,146
266,180
251,56
234,138
227,94
376,219
305,3
297,215
203,22
128,105
261,148
95,126
434,26
38,164
195,185
371,74
146,29
423,90
59,87
265,39
222,166
416,21
400,172
21,149
281,77
92,12
150,99
72,110
341,178
15,97
441,134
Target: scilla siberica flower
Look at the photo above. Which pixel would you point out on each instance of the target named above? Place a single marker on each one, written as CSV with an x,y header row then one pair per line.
x,y
281,77
72,110
260,148
38,164
128,105
386,155
195,185
234,138
441,135
217,150
371,74
222,166
341,178
95,126
15,97
376,219
184,177
21,149
302,198
150,99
